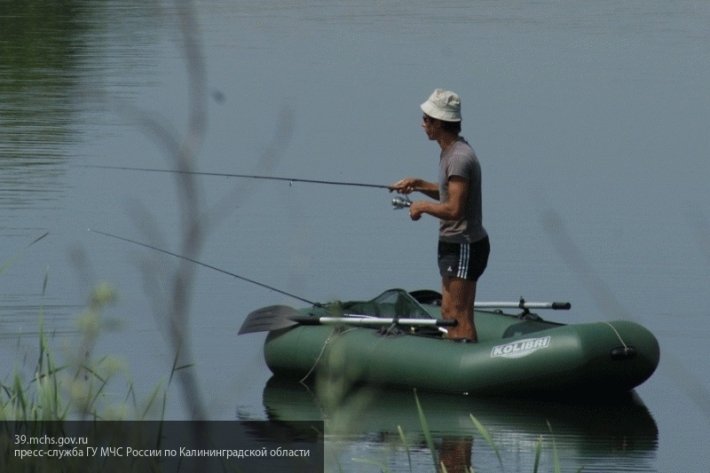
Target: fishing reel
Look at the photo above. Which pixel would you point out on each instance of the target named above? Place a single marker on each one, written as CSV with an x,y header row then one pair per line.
x,y
401,202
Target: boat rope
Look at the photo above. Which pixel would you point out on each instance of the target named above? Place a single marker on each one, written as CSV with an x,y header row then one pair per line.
x,y
336,332
618,335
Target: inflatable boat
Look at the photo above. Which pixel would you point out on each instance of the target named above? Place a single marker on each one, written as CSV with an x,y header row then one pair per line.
x,y
399,339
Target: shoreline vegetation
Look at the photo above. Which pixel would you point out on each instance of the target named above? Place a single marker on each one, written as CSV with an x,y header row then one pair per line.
x,y
75,387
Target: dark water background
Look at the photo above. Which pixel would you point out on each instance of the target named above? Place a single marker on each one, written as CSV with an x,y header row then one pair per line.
x,y
590,120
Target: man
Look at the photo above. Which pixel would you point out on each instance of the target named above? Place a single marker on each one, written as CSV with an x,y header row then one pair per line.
x,y
463,242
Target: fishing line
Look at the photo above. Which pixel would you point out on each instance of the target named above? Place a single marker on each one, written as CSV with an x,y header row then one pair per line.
x,y
200,263
243,176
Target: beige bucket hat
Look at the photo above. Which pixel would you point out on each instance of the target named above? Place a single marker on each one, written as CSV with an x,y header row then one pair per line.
x,y
443,105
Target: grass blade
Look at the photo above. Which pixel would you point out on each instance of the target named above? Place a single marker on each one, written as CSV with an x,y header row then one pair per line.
x,y
406,445
487,436
4,266
557,468
538,453
426,432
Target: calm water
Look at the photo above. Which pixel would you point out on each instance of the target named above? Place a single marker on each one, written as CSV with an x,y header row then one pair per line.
x,y
591,122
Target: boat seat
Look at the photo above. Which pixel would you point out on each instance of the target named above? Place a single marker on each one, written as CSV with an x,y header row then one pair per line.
x,y
377,310
391,303
387,310
527,326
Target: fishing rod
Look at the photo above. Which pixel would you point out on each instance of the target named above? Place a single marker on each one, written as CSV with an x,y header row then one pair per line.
x,y
522,304
200,263
399,202
242,176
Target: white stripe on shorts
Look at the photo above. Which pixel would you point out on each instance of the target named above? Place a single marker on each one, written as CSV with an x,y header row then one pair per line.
x,y
464,256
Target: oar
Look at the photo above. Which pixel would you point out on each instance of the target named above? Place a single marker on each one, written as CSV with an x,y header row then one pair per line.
x,y
277,317
428,296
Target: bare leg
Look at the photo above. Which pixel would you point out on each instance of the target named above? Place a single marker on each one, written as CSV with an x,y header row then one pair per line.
x,y
458,296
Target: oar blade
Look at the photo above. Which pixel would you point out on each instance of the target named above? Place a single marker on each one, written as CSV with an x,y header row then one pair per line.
x,y
266,319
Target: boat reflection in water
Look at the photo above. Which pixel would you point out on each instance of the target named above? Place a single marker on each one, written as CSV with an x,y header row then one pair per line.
x,y
610,435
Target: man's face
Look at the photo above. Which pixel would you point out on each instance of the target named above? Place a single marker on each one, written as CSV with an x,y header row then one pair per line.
x,y
429,125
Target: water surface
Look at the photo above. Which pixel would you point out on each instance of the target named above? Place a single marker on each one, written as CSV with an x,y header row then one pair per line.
x,y
590,120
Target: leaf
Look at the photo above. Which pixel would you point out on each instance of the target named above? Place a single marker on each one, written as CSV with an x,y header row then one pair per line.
x,y
426,431
487,436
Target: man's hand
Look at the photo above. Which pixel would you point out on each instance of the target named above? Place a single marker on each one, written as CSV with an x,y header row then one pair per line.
x,y
406,185
416,210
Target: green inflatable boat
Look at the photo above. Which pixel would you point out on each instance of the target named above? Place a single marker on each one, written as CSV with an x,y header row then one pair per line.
x,y
397,340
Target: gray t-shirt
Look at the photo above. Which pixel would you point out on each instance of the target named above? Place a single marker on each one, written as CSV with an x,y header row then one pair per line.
x,y
459,159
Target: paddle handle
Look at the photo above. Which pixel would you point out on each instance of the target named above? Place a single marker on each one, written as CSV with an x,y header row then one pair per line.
x,y
350,320
523,305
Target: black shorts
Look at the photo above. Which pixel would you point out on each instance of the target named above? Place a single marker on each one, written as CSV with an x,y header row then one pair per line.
x,y
463,260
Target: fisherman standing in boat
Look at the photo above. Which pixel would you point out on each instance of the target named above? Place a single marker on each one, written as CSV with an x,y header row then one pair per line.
x,y
463,247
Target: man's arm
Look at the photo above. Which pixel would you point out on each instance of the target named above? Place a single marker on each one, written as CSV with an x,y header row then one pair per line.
x,y
411,184
452,209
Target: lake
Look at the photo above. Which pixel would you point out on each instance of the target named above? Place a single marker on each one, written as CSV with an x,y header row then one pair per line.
x,y
590,120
